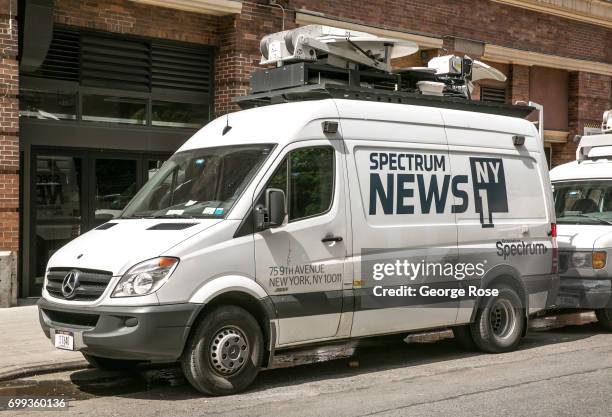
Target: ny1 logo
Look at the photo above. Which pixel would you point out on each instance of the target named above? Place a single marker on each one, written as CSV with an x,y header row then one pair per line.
x,y
489,183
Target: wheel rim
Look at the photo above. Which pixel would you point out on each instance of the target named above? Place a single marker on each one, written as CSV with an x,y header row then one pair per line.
x,y
229,350
503,318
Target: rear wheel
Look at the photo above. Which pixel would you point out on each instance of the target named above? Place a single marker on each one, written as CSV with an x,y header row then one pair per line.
x,y
604,317
108,364
499,323
224,353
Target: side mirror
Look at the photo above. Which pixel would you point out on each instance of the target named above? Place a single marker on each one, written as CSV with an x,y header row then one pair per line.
x,y
273,212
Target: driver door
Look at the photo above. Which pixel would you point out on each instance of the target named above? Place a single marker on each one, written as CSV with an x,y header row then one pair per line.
x,y
301,264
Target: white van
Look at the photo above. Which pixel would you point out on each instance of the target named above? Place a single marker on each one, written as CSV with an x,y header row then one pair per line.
x,y
583,202
368,202
250,239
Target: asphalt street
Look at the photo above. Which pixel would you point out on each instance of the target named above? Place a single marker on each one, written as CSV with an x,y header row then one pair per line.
x,y
564,371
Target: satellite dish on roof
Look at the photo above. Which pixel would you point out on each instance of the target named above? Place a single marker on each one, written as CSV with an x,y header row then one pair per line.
x,y
454,73
334,46
482,71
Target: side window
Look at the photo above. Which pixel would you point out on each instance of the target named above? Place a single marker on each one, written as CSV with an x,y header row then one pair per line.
x,y
311,183
307,177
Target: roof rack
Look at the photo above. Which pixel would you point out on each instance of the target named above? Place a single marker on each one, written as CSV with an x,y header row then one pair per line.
x,y
296,89
315,62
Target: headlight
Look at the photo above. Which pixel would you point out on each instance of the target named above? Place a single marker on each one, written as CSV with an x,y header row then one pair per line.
x,y
146,277
595,260
581,259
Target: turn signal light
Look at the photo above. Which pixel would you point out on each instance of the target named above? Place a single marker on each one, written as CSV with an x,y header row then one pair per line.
x,y
599,260
166,262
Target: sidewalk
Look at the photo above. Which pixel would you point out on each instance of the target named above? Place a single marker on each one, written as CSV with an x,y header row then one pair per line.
x,y
25,349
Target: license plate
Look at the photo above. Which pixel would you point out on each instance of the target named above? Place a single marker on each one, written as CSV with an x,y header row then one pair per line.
x,y
64,340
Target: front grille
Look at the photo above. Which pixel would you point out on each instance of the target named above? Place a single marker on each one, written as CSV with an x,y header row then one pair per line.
x,y
91,283
71,319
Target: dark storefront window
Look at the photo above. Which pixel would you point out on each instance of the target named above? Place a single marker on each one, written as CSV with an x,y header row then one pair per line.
x,y
172,114
100,77
47,105
110,109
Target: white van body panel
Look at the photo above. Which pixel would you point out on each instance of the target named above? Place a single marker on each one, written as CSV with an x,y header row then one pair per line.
x,y
227,283
585,170
124,245
218,256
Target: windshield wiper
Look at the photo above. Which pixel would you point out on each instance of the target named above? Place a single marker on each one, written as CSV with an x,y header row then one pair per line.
x,y
174,216
136,217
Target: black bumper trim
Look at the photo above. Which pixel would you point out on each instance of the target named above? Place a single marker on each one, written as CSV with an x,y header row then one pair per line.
x,y
159,334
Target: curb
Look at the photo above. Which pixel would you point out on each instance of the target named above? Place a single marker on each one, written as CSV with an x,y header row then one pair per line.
x,y
31,370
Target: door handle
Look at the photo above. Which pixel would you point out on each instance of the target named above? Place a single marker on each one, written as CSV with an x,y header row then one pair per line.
x,y
331,239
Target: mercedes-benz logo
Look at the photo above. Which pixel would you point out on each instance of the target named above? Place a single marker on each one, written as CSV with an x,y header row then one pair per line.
x,y
70,284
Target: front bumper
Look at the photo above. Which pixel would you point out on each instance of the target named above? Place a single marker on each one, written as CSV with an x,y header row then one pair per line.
x,y
151,333
584,293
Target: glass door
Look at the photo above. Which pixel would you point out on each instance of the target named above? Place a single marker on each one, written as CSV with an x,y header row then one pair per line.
x,y
75,191
58,208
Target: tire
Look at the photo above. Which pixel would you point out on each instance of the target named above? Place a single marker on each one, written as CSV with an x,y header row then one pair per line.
x,y
224,353
108,364
500,323
604,317
463,337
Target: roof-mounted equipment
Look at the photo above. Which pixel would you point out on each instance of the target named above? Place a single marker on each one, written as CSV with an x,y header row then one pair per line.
x,y
315,61
332,46
606,124
448,75
597,146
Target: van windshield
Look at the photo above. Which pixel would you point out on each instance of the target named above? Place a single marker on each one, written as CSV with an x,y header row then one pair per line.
x,y
198,183
583,202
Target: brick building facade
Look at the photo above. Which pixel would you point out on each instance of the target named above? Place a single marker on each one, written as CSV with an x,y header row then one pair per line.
x,y
552,54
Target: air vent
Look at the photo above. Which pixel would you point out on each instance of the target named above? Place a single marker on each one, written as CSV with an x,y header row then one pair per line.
x,y
181,68
171,226
106,226
115,63
71,318
492,94
62,60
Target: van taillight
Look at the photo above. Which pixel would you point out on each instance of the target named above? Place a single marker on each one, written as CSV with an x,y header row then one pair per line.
x,y
555,249
553,230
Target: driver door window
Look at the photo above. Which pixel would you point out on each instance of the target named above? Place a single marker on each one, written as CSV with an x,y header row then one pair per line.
x,y
307,177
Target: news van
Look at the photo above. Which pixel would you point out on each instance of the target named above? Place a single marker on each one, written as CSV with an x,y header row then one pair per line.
x,y
583,203
266,231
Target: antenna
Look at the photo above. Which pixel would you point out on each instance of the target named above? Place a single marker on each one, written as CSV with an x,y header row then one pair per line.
x,y
227,127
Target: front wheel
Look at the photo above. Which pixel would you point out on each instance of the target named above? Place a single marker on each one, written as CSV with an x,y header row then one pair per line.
x,y
224,353
604,317
500,322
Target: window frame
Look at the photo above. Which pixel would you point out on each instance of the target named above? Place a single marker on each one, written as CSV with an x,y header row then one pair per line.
x,y
37,81
287,157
